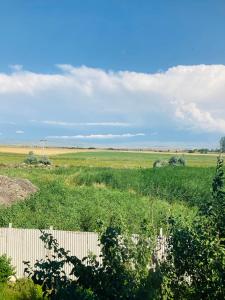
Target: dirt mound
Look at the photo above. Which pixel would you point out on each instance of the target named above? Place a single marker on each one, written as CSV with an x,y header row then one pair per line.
x,y
12,190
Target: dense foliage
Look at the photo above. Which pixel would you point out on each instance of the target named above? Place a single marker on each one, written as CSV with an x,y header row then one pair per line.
x,y
122,274
177,161
195,264
6,269
32,159
222,144
22,289
44,160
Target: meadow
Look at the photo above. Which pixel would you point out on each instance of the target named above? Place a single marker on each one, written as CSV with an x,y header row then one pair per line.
x,y
99,158
83,188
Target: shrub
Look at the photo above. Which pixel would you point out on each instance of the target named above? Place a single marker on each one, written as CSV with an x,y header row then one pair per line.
x,y
6,269
203,151
23,289
31,159
191,151
173,161
44,160
157,164
181,161
177,161
160,163
195,263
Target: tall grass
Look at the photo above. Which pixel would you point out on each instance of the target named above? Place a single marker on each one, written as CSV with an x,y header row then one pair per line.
x,y
75,198
191,185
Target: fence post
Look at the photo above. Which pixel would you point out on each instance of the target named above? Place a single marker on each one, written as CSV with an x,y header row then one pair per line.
x,y
161,232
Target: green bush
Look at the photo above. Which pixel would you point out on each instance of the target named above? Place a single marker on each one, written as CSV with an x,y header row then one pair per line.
x,y
195,264
203,151
173,161
6,269
177,161
181,161
160,163
23,289
44,160
31,159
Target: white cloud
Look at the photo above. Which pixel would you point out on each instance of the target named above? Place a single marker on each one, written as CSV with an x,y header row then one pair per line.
x,y
95,136
20,132
190,97
198,119
73,124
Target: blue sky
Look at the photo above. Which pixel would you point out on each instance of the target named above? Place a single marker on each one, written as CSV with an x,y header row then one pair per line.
x,y
118,72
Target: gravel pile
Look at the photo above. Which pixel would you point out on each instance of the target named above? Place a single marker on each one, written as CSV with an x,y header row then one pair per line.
x,y
13,189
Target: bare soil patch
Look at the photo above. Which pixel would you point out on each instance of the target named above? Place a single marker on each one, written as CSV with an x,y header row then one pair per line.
x,y
15,189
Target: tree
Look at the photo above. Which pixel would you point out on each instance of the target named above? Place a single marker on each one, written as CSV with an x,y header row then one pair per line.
x,y
218,201
177,161
44,160
31,159
222,144
214,208
195,265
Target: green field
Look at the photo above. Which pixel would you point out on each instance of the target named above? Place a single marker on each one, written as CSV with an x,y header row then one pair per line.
x,y
114,159
102,186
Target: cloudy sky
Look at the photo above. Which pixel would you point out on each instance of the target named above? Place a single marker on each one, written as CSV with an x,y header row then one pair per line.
x,y
117,73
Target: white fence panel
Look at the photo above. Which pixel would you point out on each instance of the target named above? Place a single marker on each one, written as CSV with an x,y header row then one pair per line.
x,y
25,245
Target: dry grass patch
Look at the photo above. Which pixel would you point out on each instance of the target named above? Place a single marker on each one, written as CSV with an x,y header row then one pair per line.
x,y
40,151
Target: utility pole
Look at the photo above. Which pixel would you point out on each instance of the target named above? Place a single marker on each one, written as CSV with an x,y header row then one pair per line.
x,y
43,143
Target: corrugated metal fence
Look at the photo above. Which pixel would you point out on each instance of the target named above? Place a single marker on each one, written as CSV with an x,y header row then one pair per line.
x,y
25,245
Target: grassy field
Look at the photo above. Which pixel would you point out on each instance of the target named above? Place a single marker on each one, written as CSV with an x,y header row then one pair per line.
x,y
76,198
121,186
112,159
116,159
